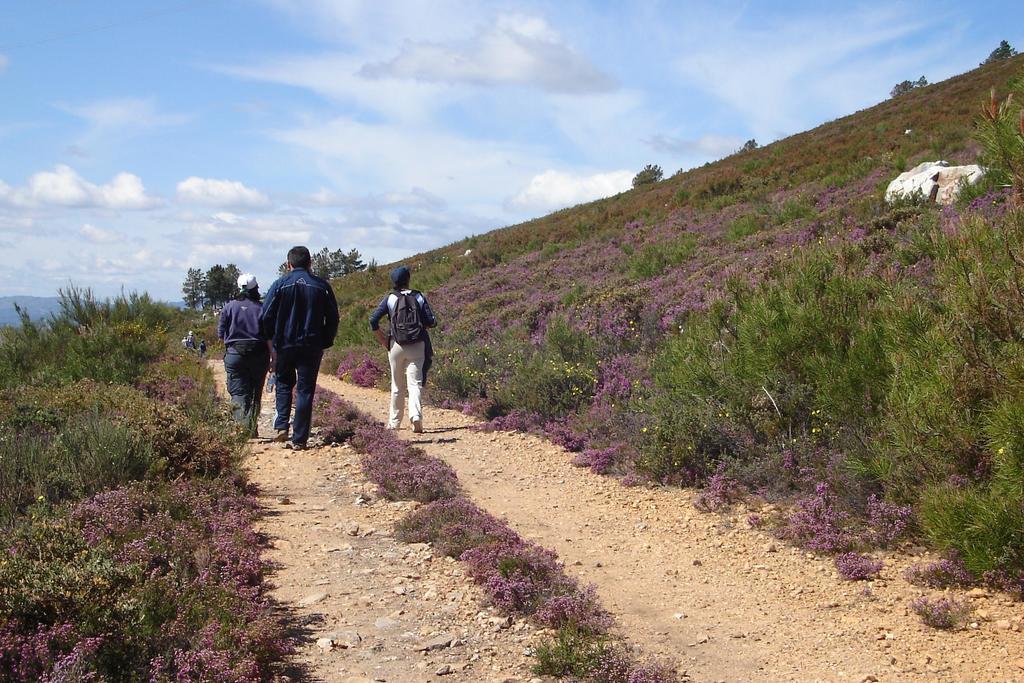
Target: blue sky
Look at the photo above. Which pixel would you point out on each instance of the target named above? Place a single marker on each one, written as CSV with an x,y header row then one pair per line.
x,y
139,139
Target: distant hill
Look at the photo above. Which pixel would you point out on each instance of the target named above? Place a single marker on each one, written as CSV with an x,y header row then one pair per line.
x,y
37,307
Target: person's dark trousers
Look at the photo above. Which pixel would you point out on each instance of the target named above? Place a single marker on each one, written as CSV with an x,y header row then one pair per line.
x,y
296,369
245,384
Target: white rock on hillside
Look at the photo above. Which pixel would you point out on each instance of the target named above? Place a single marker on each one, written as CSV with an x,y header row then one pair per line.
x,y
936,180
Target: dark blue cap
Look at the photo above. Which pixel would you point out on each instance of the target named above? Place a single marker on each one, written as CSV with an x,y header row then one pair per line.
x,y
400,276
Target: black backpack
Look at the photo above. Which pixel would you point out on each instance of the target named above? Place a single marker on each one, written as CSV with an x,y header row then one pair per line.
x,y
407,319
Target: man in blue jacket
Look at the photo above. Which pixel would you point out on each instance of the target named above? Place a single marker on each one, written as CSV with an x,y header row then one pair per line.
x,y
300,318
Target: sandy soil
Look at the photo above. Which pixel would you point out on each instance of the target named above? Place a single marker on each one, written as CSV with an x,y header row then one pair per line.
x,y
726,602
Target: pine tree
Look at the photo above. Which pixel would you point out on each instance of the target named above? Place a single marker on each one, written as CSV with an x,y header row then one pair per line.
x,y
1004,51
193,291
325,263
1000,130
221,284
651,174
352,262
906,86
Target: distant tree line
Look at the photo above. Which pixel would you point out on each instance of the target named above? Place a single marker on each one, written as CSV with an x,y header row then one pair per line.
x,y
218,285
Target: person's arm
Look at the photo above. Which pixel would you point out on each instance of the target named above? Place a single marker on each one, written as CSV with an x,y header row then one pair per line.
x,y
268,313
428,313
331,318
222,324
378,313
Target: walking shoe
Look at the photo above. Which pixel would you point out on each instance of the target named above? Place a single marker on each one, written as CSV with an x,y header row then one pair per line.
x,y
296,446
281,436
417,426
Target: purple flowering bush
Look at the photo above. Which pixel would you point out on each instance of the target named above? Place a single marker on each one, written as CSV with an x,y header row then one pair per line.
x,y
857,567
599,460
818,523
148,580
942,613
453,526
518,576
362,369
401,471
336,418
66,443
720,491
579,608
948,572
888,522
180,381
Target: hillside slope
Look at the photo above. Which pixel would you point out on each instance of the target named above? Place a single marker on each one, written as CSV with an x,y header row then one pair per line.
x,y
766,325
832,155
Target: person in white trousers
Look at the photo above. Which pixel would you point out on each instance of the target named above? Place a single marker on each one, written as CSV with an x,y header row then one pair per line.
x,y
408,345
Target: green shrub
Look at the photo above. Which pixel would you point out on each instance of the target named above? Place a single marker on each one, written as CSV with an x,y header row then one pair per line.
x,y
744,226
570,653
551,381
67,443
796,208
109,341
654,259
90,453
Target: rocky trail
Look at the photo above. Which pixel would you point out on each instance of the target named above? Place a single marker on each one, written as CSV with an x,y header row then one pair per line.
x,y
724,602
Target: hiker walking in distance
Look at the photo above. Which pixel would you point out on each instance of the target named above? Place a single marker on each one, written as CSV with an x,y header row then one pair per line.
x,y
300,317
408,345
246,353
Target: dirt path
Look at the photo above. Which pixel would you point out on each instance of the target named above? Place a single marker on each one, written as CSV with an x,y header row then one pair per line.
x,y
726,602
370,608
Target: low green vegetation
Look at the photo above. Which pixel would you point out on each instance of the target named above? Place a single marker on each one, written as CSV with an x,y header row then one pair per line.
x,y
654,259
914,381
128,547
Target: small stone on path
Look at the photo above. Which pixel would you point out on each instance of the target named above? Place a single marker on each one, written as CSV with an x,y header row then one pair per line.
x,y
312,599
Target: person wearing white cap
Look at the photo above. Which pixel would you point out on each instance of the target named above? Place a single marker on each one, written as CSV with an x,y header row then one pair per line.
x,y
247,352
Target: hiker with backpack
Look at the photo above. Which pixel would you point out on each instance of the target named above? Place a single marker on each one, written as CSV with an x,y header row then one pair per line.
x,y
408,344
246,352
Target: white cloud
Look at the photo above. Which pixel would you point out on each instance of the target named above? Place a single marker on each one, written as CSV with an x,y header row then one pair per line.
x,y
708,145
416,198
125,112
138,262
98,235
335,76
64,187
554,189
221,252
226,193
225,226
516,50
3,62
784,75
397,155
